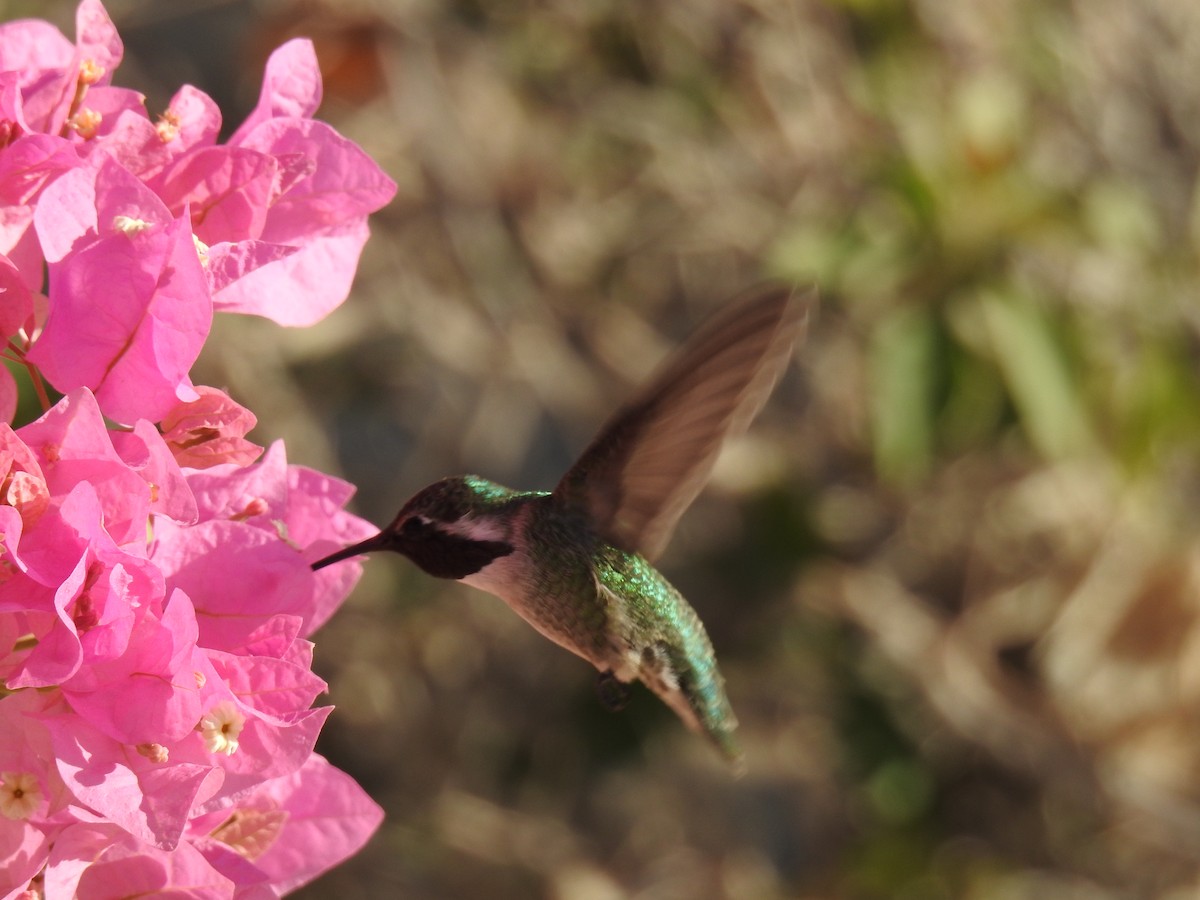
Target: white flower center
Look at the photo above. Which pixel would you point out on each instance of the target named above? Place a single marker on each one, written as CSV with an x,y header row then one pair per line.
x,y
220,728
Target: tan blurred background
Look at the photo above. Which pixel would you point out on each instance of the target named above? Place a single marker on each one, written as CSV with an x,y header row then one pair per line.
x,y
951,574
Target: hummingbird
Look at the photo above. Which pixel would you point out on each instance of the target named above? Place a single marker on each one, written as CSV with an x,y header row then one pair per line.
x,y
577,562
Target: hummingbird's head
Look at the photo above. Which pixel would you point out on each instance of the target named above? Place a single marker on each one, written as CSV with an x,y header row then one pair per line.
x,y
451,529
455,502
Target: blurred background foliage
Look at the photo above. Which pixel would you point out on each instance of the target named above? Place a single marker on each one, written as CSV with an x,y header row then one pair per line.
x,y
952,572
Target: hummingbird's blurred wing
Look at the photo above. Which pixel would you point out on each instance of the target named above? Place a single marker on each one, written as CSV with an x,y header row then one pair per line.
x,y
649,462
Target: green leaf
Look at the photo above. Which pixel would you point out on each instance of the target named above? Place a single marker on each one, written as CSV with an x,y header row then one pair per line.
x,y
1039,380
903,365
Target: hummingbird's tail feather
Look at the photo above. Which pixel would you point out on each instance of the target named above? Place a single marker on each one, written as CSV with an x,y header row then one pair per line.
x,y
693,687
378,542
731,750
720,732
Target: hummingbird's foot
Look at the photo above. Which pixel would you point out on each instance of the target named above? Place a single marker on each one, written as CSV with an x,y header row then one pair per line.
x,y
612,692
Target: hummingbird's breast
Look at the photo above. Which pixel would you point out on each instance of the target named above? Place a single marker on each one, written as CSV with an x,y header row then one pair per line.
x,y
548,578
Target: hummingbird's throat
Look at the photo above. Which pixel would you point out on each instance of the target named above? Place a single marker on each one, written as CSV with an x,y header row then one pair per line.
x,y
445,555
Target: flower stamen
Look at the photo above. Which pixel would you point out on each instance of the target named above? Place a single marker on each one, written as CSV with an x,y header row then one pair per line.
x,y
19,795
220,728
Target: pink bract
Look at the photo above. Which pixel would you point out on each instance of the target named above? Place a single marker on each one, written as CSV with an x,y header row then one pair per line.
x,y
209,431
134,343
156,711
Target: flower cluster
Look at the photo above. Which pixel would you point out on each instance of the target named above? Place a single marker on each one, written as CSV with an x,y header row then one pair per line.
x,y
156,690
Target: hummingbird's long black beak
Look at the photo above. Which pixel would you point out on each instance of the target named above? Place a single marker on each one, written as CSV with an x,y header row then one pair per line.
x,y
382,541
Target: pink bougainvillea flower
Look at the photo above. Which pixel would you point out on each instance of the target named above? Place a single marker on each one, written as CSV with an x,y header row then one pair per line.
x,y
144,692
24,850
291,829
97,122
42,59
24,494
323,212
100,861
133,343
272,685
96,200
226,262
146,452
144,147
221,562
315,516
51,74
256,524
26,748
256,494
156,713
74,849
22,485
71,445
83,600
9,396
327,187
31,793
16,300
266,746
151,789
127,869
291,87
98,47
16,308
45,649
228,190
210,431
149,799
27,167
